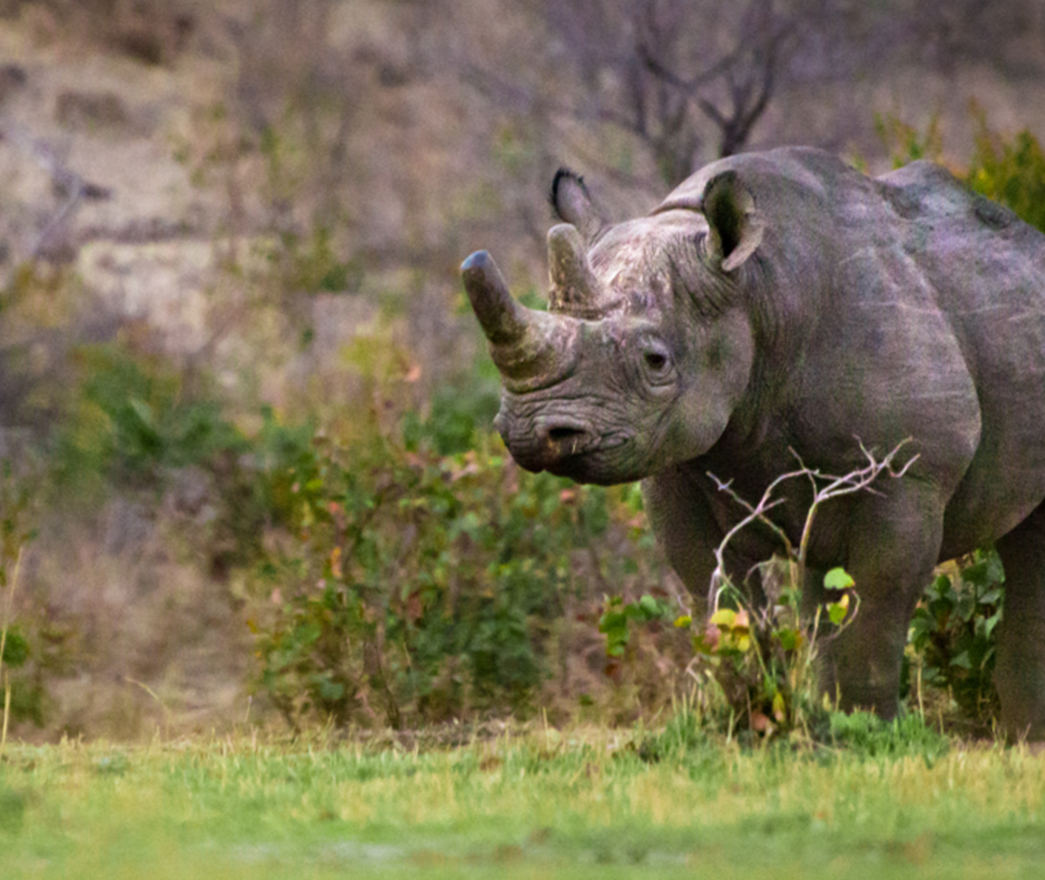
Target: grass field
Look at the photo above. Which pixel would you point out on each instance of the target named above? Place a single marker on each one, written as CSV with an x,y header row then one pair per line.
x,y
536,803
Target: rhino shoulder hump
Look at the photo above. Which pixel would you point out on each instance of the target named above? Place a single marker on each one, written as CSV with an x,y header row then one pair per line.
x,y
924,188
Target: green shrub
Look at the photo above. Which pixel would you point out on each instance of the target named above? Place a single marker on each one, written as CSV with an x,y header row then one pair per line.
x,y
133,416
905,143
422,585
20,695
1011,172
459,413
953,633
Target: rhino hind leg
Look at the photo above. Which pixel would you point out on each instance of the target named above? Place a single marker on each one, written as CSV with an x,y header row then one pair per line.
x,y
1020,666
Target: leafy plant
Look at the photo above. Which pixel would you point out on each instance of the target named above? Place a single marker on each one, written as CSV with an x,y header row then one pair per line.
x,y
1011,172
420,585
617,614
14,535
905,143
762,656
953,633
133,416
458,413
763,659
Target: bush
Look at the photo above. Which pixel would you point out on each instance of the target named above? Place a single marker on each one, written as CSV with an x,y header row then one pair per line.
x,y
21,696
421,586
952,634
1011,172
132,417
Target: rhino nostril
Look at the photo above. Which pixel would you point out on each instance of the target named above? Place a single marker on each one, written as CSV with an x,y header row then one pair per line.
x,y
557,435
563,435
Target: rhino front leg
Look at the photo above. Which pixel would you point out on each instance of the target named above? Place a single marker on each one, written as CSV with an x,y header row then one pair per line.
x,y
894,542
685,527
1019,671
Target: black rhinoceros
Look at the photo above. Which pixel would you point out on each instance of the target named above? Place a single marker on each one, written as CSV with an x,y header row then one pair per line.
x,y
784,301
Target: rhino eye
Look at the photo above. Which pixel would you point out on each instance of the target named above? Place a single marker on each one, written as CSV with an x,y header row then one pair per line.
x,y
656,361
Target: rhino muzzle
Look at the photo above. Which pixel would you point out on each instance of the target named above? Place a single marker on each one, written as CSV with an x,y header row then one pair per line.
x,y
546,442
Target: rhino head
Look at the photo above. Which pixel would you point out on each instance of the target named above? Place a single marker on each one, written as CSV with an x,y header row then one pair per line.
x,y
647,346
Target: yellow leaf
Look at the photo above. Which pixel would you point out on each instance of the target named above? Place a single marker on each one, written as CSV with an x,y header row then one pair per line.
x,y
779,707
724,617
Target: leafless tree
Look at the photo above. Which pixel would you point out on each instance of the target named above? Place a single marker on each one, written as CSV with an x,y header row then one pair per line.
x,y
692,79
670,71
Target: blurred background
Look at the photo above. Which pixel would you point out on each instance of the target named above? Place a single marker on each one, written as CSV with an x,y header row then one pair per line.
x,y
244,412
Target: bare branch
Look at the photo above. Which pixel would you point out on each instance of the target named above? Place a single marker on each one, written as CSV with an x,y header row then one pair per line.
x,y
836,486
757,512
65,182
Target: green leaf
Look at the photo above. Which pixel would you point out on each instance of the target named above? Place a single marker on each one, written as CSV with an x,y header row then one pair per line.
x,y
790,639
836,611
990,623
649,607
838,579
143,411
16,649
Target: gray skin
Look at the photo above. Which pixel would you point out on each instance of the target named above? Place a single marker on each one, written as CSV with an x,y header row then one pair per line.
x,y
783,301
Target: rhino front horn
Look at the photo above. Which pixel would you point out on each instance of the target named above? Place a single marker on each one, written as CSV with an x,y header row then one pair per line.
x,y
503,320
530,348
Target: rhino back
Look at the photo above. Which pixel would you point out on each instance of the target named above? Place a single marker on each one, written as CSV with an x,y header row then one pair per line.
x,y
903,306
987,268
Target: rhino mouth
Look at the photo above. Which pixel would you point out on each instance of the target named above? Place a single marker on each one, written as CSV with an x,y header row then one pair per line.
x,y
604,463
566,447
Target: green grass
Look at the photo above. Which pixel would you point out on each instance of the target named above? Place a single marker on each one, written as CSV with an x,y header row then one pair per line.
x,y
586,803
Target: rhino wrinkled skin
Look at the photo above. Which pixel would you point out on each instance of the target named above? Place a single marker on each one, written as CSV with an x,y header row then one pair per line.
x,y
784,301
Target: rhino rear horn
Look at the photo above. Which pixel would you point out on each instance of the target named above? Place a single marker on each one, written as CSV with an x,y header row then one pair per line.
x,y
575,289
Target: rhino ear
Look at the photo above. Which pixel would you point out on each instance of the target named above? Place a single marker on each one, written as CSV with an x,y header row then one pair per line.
x,y
572,204
735,227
